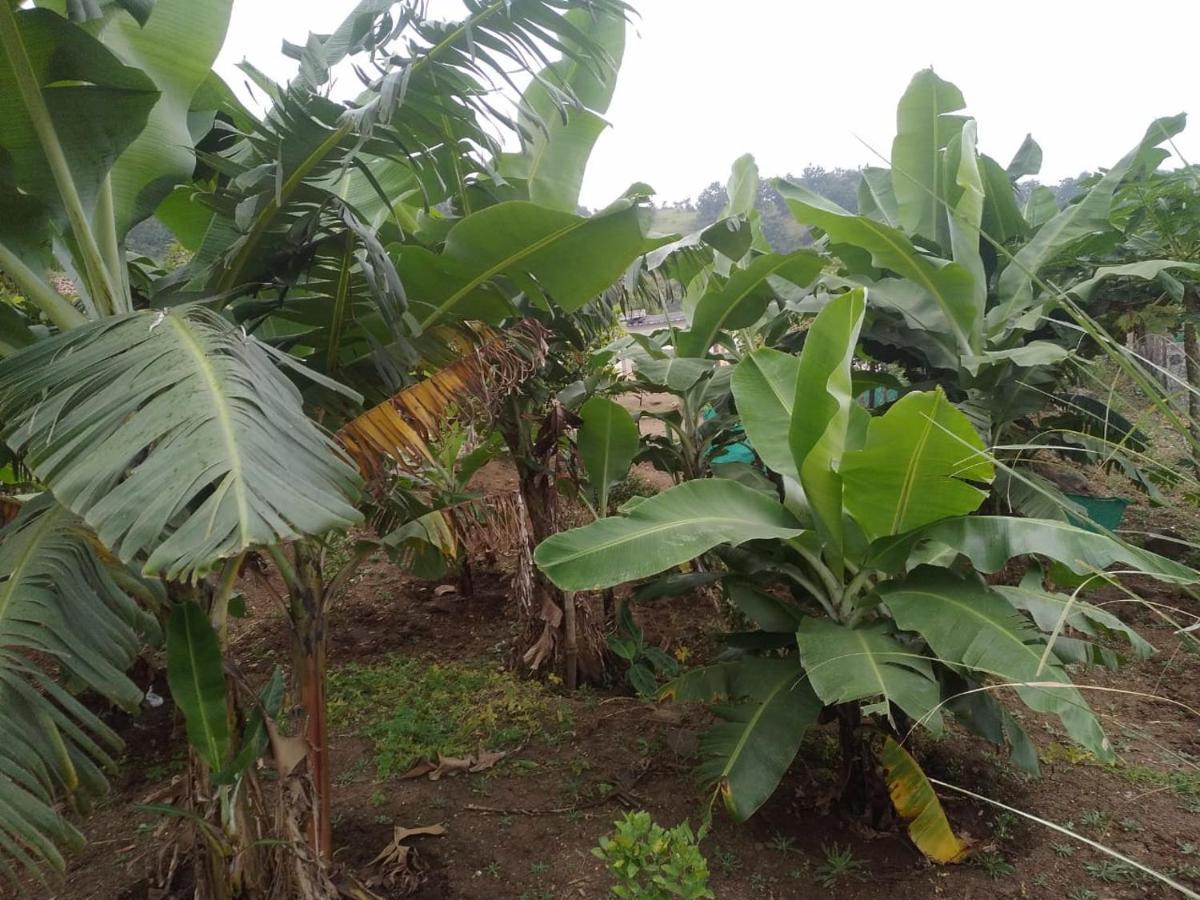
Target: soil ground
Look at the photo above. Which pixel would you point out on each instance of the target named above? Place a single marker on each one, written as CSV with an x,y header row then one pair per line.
x,y
525,828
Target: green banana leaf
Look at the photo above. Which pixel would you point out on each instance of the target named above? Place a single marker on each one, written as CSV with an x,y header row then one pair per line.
x,y
196,674
965,622
673,372
1015,289
60,602
868,663
82,109
742,300
924,127
556,148
764,387
821,412
915,467
660,532
991,541
565,257
748,753
1047,609
949,284
607,442
174,435
175,47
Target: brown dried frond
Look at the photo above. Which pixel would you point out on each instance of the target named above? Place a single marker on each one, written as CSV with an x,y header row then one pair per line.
x,y
400,428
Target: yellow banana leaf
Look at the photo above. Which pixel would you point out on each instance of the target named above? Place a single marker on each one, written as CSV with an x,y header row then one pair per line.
x,y
918,806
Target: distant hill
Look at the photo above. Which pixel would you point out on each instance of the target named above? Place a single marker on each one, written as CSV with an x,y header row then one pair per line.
x,y
782,231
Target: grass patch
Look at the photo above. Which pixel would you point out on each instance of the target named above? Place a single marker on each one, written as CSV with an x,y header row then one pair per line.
x,y
1186,782
412,708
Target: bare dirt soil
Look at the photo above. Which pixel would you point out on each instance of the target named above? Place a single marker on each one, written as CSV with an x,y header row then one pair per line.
x,y
525,828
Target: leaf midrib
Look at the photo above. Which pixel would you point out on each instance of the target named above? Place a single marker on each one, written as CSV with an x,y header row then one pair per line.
x,y
209,736
737,301
751,723
910,474
16,575
224,421
992,624
499,267
645,532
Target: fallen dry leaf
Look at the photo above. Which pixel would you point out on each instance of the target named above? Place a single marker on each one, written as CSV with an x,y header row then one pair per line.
x,y
485,759
399,865
479,761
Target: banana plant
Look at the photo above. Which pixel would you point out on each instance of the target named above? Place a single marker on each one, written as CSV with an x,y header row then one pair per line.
x,y
159,463
955,266
862,565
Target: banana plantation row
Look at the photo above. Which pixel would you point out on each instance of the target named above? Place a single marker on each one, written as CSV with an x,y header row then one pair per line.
x,y
367,277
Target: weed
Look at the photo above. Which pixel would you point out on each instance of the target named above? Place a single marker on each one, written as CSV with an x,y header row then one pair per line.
x,y
839,864
1002,825
1082,894
1187,848
1129,825
493,869
1094,818
1110,871
1187,871
1056,751
782,842
155,773
572,788
378,798
758,882
348,776
412,709
539,868
648,747
1185,782
383,819
727,860
506,822
1064,849
994,864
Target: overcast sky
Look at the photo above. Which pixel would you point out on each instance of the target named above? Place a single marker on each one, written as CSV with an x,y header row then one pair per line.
x,y
802,82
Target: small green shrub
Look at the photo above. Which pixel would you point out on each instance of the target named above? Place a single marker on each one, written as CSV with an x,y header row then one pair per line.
x,y
646,662
633,485
648,862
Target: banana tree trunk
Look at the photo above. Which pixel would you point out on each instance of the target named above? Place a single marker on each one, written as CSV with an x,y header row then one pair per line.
x,y
309,686
1192,364
864,793
573,636
229,859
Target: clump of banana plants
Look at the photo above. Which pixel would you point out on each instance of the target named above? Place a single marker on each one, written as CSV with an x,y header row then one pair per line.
x,y
863,567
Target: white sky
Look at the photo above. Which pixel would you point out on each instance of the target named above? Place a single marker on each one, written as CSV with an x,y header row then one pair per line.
x,y
801,82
